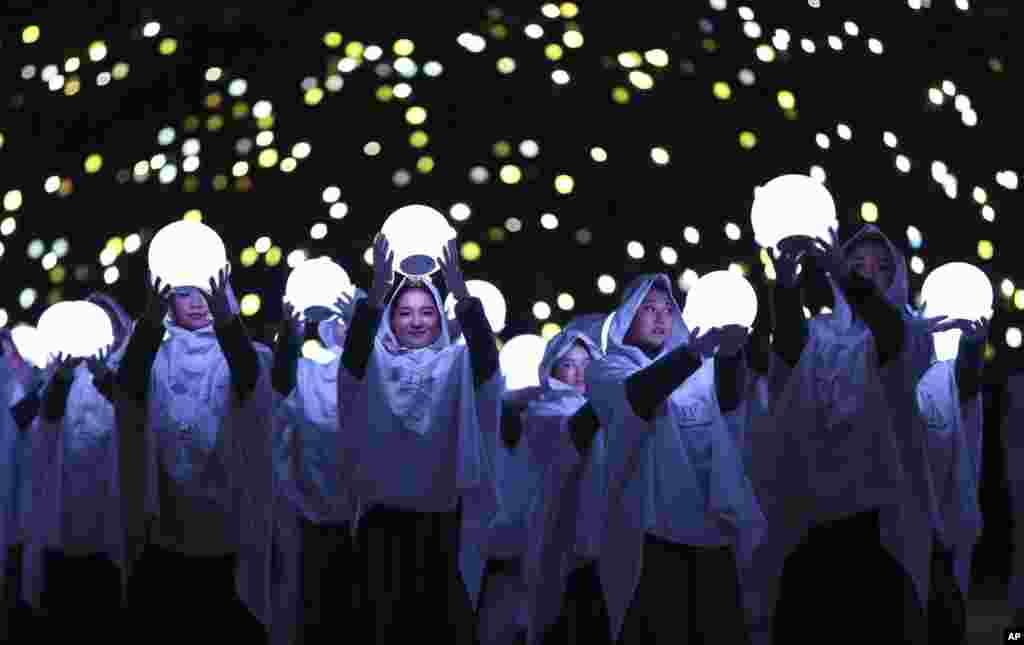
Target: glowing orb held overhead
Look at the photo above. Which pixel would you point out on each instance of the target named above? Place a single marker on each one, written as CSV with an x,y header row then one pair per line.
x,y
520,360
792,205
417,235
186,254
720,298
75,328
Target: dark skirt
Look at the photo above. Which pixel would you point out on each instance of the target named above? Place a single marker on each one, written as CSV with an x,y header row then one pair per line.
x,y
841,580
687,594
78,590
947,611
584,617
412,588
329,594
176,598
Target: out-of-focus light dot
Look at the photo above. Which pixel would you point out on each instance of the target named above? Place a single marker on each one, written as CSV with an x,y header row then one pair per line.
x,y
433,68
401,177
719,5
298,256
7,226
691,235
460,212
549,221
56,82
334,83
51,184
214,123
237,87
961,103
193,215
752,29
635,250
914,237
606,284
721,90
479,174
119,71
191,164
746,77
1007,288
765,53
405,67
166,136
30,34
132,243
72,64
550,10
347,64
533,31
13,200
875,46
948,88
969,118
373,52
529,148
249,256
415,115
986,250
28,72
250,304
115,244
240,168
300,150
425,164
27,298
963,5
917,265
471,251
151,29
851,28
501,149
835,42
657,57
732,231
403,47
641,80
1013,337
288,164
564,184
822,140
869,212
980,195
890,139
630,59
746,13
58,274
988,213
338,210
402,90
902,163
273,256
331,194
669,255
267,158
748,140
1018,299
157,161
560,77
510,174
313,96
262,108
620,95
569,9
49,261
844,131
807,45
354,49
935,95
513,225
111,275
598,154
572,39
687,279
168,46
659,156
541,310
332,39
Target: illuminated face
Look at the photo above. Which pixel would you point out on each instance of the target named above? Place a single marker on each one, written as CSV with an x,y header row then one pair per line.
x,y
190,309
871,260
653,321
415,320
570,368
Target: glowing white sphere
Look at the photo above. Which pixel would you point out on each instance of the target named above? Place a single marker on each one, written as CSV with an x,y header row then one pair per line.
x,y
956,290
520,360
792,205
29,343
186,254
720,298
76,328
317,283
417,235
495,307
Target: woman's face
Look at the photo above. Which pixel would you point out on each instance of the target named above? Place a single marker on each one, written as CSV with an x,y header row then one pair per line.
x,y
572,366
872,260
189,308
415,320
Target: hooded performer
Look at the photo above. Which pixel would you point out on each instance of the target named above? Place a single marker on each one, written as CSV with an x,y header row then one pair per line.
x,y
313,543
194,431
1013,445
566,518
681,512
418,413
74,537
852,455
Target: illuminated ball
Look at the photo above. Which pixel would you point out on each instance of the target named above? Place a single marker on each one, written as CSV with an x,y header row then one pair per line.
x,y
495,308
956,290
29,343
720,298
417,235
792,205
76,328
520,360
317,283
186,254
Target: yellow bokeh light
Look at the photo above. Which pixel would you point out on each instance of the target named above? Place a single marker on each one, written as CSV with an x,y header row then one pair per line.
x,y
721,90
630,59
214,100
986,250
384,93
501,149
119,71
250,304
214,123
549,330
506,65
553,51
709,45
72,86
471,251
786,100
168,46
748,140
403,47
220,182
1018,299
249,256
191,184
240,110
116,245
418,139
265,122
990,351
425,164
30,34
93,163
313,96
267,158
564,184
193,215
569,10
869,212
332,39
415,115
620,95
510,174
354,49
288,164
641,80
13,200
58,274
273,256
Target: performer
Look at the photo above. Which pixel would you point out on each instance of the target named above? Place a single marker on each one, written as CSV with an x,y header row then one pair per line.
x,y
194,432
418,413
854,476
1013,443
681,512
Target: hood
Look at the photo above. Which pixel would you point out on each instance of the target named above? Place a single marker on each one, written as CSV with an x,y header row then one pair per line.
x,y
386,336
898,293
589,325
557,347
110,306
631,299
